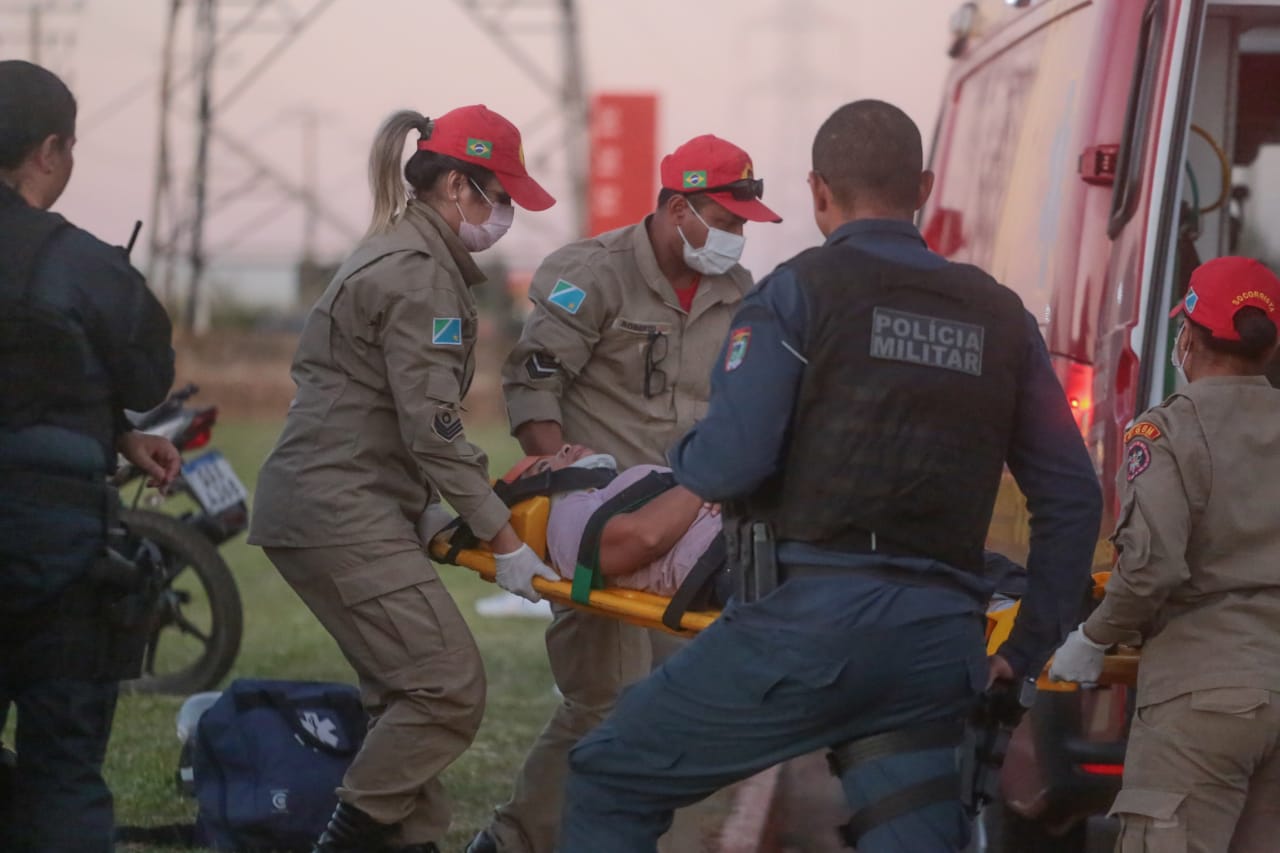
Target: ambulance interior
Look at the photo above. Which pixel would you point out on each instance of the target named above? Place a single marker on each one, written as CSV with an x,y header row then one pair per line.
x,y
1229,192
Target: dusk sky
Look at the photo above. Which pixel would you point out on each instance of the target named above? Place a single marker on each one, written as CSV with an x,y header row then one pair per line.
x,y
762,73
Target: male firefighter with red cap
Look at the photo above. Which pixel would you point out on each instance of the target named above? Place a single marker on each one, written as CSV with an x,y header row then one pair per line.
x,y
617,355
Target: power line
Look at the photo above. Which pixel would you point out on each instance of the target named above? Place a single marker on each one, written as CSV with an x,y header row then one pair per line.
x,y
506,22
36,31
174,234
142,87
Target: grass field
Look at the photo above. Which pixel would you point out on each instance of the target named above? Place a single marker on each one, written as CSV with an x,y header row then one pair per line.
x,y
283,640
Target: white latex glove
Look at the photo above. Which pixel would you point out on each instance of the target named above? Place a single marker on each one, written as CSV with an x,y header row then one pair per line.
x,y
1079,659
517,570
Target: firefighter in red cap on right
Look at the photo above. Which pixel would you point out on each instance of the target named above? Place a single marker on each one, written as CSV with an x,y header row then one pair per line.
x,y
617,355
1197,582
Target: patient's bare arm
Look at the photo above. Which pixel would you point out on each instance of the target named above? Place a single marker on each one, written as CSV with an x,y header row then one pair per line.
x,y
633,540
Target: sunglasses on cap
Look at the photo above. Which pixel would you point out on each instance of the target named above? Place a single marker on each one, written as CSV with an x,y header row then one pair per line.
x,y
746,189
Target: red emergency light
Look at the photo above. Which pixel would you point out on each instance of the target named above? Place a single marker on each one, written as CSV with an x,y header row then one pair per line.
x,y
1103,769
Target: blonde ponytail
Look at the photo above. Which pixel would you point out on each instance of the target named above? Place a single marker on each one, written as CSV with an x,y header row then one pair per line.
x,y
385,170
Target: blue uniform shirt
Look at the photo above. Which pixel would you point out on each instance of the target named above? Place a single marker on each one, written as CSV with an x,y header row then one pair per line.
x,y
741,441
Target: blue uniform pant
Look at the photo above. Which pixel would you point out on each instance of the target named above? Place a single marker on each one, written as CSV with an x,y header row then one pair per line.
x,y
59,802
818,662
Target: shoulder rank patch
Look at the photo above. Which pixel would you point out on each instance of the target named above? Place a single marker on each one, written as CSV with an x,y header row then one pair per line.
x,y
541,366
1137,460
739,342
446,331
1142,429
567,296
446,424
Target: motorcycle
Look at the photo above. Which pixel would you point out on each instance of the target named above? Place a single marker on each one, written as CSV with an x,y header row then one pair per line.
x,y
196,625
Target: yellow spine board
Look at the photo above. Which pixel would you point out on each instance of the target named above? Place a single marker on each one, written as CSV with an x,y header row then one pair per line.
x,y
529,520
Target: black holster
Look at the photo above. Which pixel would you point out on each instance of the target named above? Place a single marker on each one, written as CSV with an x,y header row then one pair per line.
x,y
986,740
128,578
752,555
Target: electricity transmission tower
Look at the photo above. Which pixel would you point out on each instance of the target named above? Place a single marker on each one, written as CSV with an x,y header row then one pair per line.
x,y
181,208
521,28
41,31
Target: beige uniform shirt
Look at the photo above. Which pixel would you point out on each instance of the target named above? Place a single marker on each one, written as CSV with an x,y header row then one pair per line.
x,y
374,433
1198,542
581,359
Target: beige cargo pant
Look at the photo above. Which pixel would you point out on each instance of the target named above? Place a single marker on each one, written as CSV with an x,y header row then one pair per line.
x,y
421,676
592,659
1202,775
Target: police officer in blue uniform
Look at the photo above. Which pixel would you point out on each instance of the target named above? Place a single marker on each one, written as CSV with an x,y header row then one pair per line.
x,y
863,409
81,339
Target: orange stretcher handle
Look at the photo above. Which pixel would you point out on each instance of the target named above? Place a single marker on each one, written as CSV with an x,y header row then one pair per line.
x,y
1117,668
1120,667
629,605
645,610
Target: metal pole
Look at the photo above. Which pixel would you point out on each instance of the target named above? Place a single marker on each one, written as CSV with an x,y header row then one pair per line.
x,y
573,98
309,178
164,172
206,36
35,31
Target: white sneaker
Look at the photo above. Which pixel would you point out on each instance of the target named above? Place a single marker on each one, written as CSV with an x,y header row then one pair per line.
x,y
506,604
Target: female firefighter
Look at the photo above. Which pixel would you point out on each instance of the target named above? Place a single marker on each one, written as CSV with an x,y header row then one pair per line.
x,y
372,438
1197,582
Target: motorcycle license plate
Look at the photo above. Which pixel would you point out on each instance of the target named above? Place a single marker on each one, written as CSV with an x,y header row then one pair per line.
x,y
214,483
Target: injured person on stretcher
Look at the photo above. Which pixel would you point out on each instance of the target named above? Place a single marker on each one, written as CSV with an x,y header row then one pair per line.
x,y
661,538
662,542
660,535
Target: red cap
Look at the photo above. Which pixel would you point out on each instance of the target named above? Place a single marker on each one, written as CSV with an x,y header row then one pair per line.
x,y
1221,287
477,134
706,162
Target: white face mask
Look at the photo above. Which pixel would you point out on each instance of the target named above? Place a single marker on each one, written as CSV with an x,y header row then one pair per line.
x,y
1179,364
718,255
477,238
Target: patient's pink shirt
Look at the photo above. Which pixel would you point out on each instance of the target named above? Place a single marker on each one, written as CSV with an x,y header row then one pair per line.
x,y
569,517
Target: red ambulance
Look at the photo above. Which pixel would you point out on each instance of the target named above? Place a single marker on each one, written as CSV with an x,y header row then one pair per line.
x,y
1089,153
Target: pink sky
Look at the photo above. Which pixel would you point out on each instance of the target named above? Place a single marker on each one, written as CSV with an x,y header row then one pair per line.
x,y
763,73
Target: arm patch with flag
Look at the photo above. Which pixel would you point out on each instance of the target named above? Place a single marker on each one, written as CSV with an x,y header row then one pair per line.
x,y
739,343
567,296
446,331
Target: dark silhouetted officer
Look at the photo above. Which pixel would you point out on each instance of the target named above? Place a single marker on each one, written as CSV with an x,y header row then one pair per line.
x,y
81,339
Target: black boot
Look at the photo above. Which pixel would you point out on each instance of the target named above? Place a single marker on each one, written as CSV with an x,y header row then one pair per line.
x,y
352,831
482,843
8,770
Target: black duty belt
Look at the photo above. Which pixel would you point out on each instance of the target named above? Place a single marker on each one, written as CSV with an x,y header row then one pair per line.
x,y
865,542
54,490
902,577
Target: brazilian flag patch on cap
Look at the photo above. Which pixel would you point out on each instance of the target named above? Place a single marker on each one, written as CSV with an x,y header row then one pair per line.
x,y
695,180
481,148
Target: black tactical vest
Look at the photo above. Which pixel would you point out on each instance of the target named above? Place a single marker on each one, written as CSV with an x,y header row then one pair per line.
x,y
42,351
906,409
